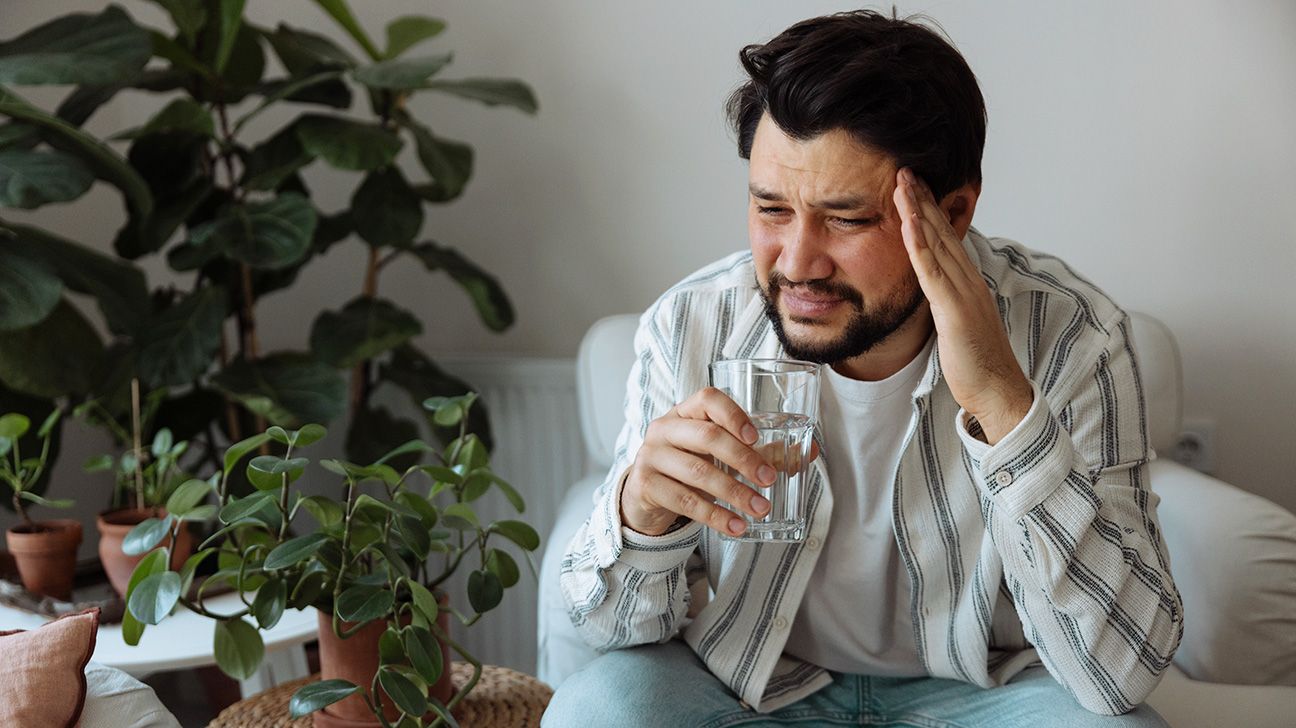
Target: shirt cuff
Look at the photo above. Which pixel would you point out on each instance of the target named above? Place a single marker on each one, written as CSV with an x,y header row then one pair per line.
x,y
1026,465
651,554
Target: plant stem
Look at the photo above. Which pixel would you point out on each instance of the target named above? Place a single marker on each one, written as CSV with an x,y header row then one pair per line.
x,y
360,373
139,451
231,410
346,545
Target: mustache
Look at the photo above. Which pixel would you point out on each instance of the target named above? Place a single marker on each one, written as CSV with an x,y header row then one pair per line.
x,y
822,287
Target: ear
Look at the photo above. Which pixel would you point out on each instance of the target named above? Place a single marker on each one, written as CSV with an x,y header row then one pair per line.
x,y
960,205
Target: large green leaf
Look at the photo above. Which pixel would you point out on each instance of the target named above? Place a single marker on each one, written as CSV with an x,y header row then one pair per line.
x,y
238,648
276,91
313,696
183,115
145,536
363,329
180,343
373,430
274,160
54,358
188,16
347,144
154,563
103,161
294,551
141,235
31,178
413,372
449,163
401,74
155,597
490,91
272,235
518,532
288,389
362,603
230,20
268,606
19,135
391,213
503,566
483,288
77,48
408,31
409,697
29,288
485,591
302,52
117,285
342,14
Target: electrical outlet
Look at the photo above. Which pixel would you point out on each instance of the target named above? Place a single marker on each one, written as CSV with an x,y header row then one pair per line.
x,y
1196,445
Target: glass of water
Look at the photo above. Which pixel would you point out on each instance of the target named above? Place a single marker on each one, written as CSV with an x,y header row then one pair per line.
x,y
781,397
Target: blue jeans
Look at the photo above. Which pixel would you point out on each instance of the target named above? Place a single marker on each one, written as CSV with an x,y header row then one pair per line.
x,y
668,686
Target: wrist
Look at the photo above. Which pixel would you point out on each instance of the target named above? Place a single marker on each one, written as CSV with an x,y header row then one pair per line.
x,y
1001,416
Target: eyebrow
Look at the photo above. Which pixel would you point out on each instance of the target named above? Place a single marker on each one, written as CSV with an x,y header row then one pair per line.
x,y
839,203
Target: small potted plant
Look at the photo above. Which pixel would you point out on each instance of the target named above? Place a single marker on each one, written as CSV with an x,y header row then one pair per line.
x,y
45,551
145,478
373,562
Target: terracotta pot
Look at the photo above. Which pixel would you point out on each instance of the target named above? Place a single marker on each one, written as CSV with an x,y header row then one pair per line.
x,y
46,556
356,659
113,527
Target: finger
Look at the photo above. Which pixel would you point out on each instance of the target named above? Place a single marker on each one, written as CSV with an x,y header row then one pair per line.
x,y
701,474
678,498
703,437
714,405
949,241
948,263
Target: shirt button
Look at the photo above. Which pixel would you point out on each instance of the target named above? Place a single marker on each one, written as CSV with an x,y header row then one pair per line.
x,y
812,543
1003,477
780,623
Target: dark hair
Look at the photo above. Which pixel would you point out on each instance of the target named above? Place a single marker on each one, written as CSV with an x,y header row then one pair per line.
x,y
893,84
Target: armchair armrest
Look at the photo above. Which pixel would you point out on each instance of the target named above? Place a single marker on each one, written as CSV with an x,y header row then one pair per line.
x,y
1233,556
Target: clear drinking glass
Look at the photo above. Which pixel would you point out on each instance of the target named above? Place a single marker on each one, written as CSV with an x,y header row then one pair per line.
x,y
781,397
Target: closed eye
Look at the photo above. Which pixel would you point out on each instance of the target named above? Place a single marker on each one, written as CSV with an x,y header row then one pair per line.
x,y
855,221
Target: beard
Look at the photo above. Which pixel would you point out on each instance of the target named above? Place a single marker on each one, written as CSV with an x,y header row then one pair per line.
x,y
865,329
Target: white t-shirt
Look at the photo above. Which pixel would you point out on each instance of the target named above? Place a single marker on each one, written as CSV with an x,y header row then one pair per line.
x,y
854,617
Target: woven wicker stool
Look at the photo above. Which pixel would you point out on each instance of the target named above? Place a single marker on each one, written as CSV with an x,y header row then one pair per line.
x,y
503,698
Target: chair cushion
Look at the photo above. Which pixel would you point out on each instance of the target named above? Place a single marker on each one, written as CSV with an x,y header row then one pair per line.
x,y
42,671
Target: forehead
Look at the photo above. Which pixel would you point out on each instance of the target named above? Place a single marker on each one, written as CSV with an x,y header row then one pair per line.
x,y
830,164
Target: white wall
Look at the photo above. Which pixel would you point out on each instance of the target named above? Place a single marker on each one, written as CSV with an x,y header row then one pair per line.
x,y
1150,144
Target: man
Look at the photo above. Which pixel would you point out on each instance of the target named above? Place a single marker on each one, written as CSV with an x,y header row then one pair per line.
x,y
982,547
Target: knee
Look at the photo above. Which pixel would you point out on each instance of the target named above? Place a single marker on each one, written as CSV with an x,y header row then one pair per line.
x,y
620,688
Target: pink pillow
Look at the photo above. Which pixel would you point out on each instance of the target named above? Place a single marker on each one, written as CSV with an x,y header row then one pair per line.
x,y
42,672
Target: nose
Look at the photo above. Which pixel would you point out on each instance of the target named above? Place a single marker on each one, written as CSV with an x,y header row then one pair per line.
x,y
804,256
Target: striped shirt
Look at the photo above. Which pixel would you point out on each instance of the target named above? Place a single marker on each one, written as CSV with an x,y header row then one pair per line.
x,y
1042,548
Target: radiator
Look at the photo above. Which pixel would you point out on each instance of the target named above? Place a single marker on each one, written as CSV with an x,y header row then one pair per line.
x,y
538,448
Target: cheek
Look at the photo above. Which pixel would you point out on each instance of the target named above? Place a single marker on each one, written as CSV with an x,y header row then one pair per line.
x,y
765,247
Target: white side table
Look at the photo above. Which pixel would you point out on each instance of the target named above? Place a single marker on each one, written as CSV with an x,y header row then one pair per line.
x,y
184,640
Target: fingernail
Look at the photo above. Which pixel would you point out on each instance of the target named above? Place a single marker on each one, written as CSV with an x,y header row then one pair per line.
x,y
749,434
908,175
766,474
759,504
737,526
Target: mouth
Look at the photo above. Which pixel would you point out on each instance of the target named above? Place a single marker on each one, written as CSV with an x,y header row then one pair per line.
x,y
807,306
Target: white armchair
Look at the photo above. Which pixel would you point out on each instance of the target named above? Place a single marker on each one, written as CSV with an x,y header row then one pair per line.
x,y
1233,553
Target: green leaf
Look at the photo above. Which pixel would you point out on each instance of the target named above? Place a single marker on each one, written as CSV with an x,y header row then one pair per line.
x,y
371,431
392,211
268,606
294,551
54,358
510,493
309,435
424,601
287,89
187,497
476,485
472,454
406,32
303,53
342,14
239,450
274,160
188,16
29,179
270,235
180,343
147,535
362,603
325,511
490,91
238,647
154,563
424,653
155,597
459,516
27,495
484,591
483,288
190,567
448,162
241,508
412,371
404,693
347,144
390,649
162,442
266,472
502,566
77,49
518,532
184,116
29,289
403,74
363,329
313,696
96,464
14,426
230,19
18,135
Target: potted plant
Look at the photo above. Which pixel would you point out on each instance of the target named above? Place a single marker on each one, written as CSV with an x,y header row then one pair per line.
x,y
45,551
144,481
218,197
373,562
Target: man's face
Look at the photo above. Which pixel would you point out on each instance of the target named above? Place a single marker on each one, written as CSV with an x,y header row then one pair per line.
x,y
825,238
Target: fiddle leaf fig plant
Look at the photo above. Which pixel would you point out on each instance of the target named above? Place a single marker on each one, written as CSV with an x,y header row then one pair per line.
x,y
384,551
220,198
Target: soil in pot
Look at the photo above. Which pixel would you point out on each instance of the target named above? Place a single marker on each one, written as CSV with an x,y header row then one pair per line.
x,y
356,659
113,527
46,556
